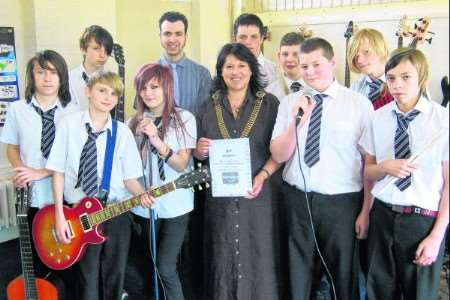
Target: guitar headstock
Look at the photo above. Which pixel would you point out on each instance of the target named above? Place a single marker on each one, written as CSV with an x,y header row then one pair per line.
x,y
404,29
349,31
421,31
22,200
305,31
193,178
118,54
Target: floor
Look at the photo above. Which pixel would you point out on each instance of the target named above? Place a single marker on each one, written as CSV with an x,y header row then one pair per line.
x,y
10,268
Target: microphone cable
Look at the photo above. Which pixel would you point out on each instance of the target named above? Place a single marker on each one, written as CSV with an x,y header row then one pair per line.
x,y
313,230
150,210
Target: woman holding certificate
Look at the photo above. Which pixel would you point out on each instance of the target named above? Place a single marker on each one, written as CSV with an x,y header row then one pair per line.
x,y
239,238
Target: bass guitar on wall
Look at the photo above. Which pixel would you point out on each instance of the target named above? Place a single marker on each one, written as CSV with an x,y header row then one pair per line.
x,y
348,34
119,111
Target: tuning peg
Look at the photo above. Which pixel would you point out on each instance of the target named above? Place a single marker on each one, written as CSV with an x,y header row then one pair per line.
x,y
428,40
207,185
200,188
199,165
431,32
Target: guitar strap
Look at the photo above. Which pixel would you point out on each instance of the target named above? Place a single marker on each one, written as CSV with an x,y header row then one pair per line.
x,y
107,163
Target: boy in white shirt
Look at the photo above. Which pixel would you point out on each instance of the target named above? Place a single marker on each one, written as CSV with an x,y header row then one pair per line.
x,y
77,160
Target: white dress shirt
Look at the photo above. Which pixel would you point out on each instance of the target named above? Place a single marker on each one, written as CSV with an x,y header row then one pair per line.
x,y
268,69
362,84
277,87
23,127
70,138
180,201
77,87
427,181
345,114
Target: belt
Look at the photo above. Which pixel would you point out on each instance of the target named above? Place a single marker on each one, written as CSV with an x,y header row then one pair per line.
x,y
410,210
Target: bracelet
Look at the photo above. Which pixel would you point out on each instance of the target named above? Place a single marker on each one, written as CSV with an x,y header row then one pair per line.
x,y
267,172
166,152
169,155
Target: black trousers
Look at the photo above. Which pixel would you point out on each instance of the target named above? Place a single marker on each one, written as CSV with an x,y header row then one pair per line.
x,y
100,273
170,235
334,223
393,241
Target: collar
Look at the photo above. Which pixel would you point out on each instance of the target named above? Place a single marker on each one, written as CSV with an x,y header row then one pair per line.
x,y
369,80
87,119
331,91
249,98
261,59
423,105
55,103
181,63
289,81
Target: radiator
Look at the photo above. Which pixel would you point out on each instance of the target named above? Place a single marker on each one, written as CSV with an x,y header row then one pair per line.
x,y
7,204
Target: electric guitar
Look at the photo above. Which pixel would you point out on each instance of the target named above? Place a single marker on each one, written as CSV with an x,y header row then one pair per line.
x,y
27,287
119,111
348,34
83,221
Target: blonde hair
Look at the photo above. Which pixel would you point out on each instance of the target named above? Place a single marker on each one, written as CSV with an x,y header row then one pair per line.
x,y
376,43
108,78
417,59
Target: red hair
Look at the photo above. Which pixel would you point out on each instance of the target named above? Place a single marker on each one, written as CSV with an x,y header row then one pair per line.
x,y
164,77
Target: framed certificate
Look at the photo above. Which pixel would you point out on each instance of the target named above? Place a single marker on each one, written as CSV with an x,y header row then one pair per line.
x,y
230,164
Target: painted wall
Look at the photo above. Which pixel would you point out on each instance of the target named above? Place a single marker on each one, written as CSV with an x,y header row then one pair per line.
x,y
331,25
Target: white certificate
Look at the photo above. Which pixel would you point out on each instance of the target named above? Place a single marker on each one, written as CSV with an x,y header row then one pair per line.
x,y
230,165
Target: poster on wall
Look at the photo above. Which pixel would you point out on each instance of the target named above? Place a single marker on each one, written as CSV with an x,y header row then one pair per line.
x,y
9,83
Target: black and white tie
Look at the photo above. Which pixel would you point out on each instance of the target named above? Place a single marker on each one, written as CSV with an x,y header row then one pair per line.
x,y
162,175
312,147
85,77
48,129
87,171
295,87
401,144
375,89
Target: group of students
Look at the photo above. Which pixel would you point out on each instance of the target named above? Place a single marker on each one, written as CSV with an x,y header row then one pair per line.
x,y
332,155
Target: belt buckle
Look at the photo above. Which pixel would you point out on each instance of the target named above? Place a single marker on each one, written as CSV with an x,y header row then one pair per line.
x,y
397,208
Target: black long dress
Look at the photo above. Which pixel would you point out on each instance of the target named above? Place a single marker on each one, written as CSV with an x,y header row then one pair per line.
x,y
240,235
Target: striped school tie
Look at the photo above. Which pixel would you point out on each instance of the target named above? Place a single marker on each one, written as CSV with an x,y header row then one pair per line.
x,y
312,147
162,175
48,129
87,171
295,87
375,89
401,144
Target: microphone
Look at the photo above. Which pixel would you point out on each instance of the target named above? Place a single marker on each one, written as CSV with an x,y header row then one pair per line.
x,y
308,94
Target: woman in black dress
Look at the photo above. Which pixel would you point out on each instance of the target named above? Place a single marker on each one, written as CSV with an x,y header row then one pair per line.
x,y
240,236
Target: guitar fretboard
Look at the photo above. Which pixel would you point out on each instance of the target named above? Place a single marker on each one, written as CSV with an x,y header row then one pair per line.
x,y
122,207
26,257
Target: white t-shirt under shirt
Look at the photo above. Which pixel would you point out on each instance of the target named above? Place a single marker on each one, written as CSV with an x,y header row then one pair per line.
x,y
180,201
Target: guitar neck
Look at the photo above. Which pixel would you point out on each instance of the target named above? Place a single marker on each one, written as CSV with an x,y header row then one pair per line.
x,y
26,257
126,205
347,68
119,111
400,41
413,44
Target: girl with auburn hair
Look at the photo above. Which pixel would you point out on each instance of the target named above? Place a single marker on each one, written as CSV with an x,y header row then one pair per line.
x,y
165,135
